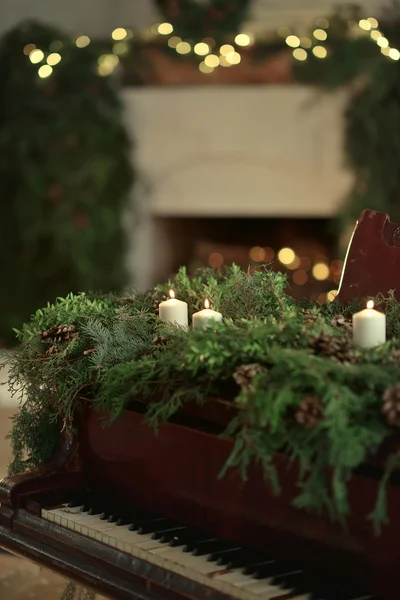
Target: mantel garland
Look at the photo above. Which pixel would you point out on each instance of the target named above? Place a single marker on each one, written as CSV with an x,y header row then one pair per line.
x,y
301,384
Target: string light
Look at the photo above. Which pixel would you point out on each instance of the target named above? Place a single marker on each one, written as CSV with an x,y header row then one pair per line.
x,y
223,62
28,49
36,56
120,34
383,42
183,48
226,49
121,48
45,71
320,35
320,52
385,51
53,59
216,260
174,41
320,271
107,64
203,68
365,25
233,58
286,256
163,29
257,254
300,54
293,41
211,61
306,42
201,49
242,39
300,277
373,22
332,295
269,254
394,54
375,34
82,41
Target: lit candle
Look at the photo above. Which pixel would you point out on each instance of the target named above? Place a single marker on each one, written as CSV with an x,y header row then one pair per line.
x,y
369,327
174,311
203,318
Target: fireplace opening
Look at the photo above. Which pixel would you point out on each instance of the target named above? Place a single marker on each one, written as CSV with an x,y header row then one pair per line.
x,y
304,249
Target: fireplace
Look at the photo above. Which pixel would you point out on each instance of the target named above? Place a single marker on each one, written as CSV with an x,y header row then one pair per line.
x,y
302,248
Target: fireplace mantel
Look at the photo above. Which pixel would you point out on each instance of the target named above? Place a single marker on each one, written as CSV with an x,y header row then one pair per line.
x,y
261,151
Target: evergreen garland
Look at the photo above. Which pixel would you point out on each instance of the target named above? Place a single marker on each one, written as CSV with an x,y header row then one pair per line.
x,y
300,384
65,174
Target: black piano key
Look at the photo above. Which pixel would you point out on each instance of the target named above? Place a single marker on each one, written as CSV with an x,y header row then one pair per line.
x,y
156,525
274,569
239,558
166,535
193,537
209,546
220,555
140,523
253,568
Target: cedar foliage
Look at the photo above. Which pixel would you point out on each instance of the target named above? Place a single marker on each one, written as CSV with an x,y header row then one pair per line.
x,y
114,359
65,174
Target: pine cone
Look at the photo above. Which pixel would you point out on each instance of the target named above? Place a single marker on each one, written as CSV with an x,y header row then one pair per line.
x,y
157,303
50,351
339,348
310,412
310,317
59,333
342,323
245,374
391,405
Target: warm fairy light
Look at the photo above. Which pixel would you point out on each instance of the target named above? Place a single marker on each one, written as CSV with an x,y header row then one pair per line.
x,y
171,294
394,54
300,277
119,34
293,41
286,256
300,54
174,41
295,264
385,51
269,254
121,48
366,25
82,41
183,48
223,62
320,52
53,59
242,39
257,254
36,56
28,49
373,22
216,260
206,303
233,58
383,42
165,28
370,304
320,35
332,295
211,61
45,71
320,271
321,298
205,68
201,49
226,49
375,35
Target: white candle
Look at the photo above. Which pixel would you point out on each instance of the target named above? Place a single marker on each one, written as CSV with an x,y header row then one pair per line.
x,y
369,327
174,311
203,318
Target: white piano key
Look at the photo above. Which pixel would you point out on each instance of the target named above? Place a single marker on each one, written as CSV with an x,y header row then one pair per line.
x,y
197,568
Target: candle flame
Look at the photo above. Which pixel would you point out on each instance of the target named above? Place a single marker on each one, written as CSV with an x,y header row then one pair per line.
x,y
171,294
370,304
206,303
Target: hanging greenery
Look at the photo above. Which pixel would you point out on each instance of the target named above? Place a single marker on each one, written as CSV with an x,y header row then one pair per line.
x,y
65,173
300,383
363,58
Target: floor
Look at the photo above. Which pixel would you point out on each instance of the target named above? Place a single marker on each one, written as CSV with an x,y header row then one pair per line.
x,y
19,578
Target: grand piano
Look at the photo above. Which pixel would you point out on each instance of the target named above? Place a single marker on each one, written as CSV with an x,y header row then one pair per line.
x,y
138,516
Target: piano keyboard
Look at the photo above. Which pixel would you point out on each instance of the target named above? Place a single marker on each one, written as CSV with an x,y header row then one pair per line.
x,y
197,556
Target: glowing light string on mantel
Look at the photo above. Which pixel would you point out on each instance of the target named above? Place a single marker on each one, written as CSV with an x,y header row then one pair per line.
x,y
226,55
